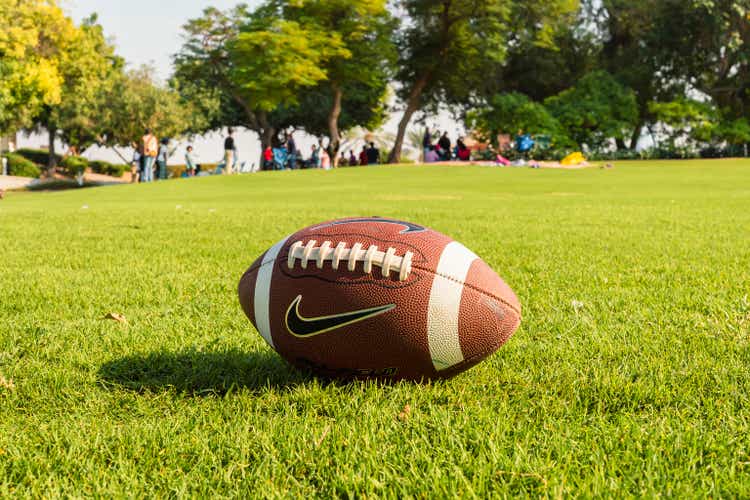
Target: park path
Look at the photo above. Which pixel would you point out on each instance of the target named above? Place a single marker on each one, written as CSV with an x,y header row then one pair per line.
x,y
11,182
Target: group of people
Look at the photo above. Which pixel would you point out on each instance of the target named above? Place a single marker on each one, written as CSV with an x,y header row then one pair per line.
x,y
150,158
286,156
443,150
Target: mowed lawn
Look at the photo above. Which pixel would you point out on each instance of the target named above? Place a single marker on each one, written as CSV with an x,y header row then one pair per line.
x,y
629,376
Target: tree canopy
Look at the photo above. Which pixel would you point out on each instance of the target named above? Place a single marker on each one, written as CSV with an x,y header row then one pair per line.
x,y
593,74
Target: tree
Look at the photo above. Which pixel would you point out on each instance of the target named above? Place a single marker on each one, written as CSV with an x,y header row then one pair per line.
x,y
255,65
686,120
87,63
596,110
33,34
448,48
138,103
357,77
513,112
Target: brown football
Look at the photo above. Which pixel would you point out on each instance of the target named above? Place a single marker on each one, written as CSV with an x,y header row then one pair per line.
x,y
381,298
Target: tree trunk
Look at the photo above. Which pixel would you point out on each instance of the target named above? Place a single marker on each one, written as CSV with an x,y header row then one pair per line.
x,y
125,160
412,105
636,136
333,124
52,158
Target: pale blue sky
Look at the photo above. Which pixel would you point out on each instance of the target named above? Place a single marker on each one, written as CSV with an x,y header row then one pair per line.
x,y
146,31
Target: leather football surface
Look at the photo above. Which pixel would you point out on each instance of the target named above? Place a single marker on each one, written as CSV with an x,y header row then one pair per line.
x,y
378,298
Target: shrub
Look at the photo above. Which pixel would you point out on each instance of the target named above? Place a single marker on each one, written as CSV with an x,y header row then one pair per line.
x,y
22,167
106,168
38,156
74,165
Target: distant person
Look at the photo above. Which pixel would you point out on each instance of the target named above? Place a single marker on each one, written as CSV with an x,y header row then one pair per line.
x,y
229,151
162,157
268,158
431,156
135,165
363,157
352,158
291,151
150,147
325,159
524,142
462,152
315,157
343,162
373,154
426,141
445,146
190,165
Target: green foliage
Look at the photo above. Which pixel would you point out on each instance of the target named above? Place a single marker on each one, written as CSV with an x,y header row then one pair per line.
x,y
33,39
74,165
686,119
515,113
449,51
596,110
20,166
106,168
735,132
272,63
140,103
90,71
38,156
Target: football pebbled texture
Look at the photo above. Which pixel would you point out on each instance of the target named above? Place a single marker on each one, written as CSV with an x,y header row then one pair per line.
x,y
378,298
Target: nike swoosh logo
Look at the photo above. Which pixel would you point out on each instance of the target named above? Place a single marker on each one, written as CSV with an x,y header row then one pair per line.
x,y
303,327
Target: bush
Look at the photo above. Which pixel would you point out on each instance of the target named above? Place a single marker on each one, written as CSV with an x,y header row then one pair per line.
x,y
22,167
106,168
38,156
74,165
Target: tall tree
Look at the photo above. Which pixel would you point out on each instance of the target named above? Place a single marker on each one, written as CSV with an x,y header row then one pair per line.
x,y
255,64
361,71
448,48
139,103
597,109
87,63
33,35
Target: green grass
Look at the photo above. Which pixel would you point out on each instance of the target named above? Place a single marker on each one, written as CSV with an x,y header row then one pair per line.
x,y
630,374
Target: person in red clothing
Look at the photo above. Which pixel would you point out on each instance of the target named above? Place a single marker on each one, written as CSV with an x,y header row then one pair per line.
x,y
463,153
268,158
363,157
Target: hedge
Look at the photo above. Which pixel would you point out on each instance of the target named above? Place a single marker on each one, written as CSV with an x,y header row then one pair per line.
x,y
38,156
22,167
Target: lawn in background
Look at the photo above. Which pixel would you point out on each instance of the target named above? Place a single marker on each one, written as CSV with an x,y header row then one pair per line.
x,y
630,374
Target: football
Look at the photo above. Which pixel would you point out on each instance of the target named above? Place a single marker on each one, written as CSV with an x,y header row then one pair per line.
x,y
378,298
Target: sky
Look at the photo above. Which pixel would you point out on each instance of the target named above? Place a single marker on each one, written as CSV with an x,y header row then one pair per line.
x,y
145,31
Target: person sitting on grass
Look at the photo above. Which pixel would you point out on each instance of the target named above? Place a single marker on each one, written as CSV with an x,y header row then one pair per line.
x,y
462,152
325,159
315,159
363,157
352,158
343,162
373,155
431,156
445,147
268,158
